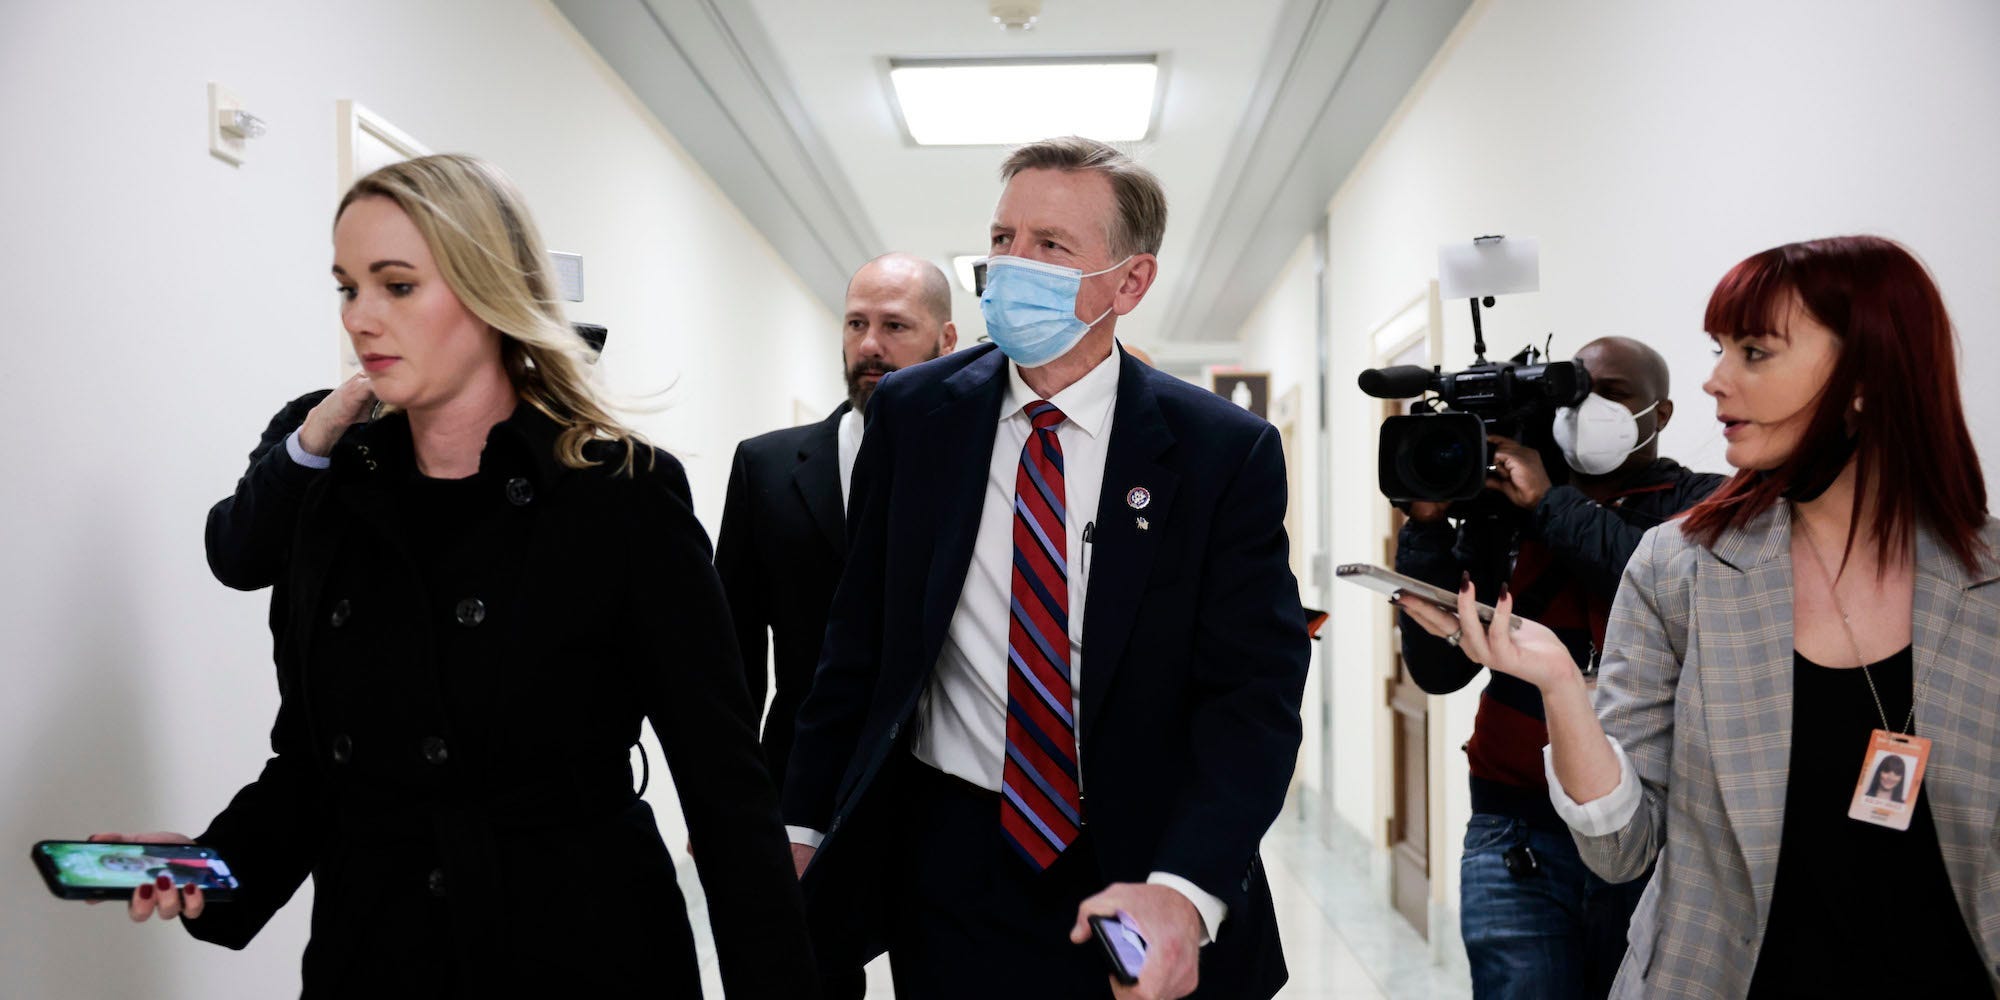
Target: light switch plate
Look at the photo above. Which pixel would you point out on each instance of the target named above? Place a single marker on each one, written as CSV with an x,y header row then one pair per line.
x,y
569,274
227,148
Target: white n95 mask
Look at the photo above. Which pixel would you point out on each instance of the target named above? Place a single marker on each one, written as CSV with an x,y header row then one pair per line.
x,y
1596,437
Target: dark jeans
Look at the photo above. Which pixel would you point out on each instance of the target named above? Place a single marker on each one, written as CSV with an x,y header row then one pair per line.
x,y
1553,934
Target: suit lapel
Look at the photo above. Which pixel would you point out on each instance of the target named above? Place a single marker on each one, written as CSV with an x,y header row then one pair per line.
x,y
1952,623
1122,554
1744,621
817,479
955,448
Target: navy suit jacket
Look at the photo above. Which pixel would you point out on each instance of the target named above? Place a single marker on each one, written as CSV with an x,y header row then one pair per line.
x,y
1194,646
779,553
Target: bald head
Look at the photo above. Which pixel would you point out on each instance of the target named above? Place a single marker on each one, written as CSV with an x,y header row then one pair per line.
x,y
916,278
1630,370
898,314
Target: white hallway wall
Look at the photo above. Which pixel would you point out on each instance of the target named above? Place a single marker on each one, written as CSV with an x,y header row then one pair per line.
x,y
1649,147
1277,338
162,304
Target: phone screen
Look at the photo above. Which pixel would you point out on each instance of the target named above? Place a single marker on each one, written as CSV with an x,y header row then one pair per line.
x,y
1124,949
120,868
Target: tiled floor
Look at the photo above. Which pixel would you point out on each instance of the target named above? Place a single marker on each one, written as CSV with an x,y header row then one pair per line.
x,y
1340,941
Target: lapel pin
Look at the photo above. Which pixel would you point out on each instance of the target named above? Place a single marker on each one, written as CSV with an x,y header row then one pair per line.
x,y
1143,524
1138,498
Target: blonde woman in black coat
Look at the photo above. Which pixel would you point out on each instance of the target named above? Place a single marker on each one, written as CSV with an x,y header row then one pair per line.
x,y
484,593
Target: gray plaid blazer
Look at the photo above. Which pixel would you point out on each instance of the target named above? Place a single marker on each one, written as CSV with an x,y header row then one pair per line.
x,y
1696,685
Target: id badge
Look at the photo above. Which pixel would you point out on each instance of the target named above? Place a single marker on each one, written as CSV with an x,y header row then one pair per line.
x,y
1891,775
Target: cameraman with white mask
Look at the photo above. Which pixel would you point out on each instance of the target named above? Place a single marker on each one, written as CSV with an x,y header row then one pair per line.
x,y
1535,921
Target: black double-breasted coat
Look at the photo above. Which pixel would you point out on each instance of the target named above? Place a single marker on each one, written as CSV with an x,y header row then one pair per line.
x,y
463,670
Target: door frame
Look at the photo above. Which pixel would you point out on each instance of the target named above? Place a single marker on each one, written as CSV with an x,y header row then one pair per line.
x,y
355,126
1418,322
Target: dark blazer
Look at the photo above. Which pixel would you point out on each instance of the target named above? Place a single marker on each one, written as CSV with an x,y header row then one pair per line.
x,y
250,532
1194,644
456,711
782,545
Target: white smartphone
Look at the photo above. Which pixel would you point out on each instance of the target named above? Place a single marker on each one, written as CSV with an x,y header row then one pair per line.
x,y
1390,584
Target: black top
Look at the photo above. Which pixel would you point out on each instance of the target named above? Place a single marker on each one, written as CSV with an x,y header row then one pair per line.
x,y
1858,909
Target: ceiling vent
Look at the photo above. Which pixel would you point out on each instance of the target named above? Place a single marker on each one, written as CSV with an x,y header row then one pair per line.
x,y
1015,15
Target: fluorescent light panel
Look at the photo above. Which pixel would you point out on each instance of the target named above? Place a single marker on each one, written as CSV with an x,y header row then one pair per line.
x,y
1006,102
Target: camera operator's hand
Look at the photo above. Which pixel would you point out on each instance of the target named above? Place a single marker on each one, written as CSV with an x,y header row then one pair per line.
x,y
1428,511
1518,473
331,417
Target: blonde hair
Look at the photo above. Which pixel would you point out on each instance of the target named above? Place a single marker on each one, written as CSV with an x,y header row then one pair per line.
x,y
487,249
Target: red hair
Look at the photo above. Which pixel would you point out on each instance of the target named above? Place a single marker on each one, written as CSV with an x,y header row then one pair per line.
x,y
1897,351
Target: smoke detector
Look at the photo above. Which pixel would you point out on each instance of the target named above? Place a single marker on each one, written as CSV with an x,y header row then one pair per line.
x,y
1015,15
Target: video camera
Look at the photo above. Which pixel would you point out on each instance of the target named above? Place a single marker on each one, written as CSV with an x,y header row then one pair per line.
x,y
1439,452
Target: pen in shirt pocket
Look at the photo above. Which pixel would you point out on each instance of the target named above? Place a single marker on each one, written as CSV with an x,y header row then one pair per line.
x,y
1089,531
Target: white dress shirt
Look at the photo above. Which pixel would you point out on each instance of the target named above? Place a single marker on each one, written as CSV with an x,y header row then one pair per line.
x,y
1601,816
300,455
963,711
850,446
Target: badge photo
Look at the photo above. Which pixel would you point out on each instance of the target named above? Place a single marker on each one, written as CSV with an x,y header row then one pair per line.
x,y
1891,775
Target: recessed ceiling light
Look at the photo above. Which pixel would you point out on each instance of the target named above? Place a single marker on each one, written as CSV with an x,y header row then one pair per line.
x,y
980,102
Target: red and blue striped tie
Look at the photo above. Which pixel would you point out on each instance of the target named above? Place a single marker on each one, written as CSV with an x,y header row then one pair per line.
x,y
1041,806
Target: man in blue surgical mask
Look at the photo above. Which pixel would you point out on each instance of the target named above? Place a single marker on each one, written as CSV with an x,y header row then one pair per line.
x,y
1062,673
1536,923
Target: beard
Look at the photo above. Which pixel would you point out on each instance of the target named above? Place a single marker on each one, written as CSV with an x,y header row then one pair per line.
x,y
859,391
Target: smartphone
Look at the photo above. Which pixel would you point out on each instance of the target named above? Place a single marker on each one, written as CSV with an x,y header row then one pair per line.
x,y
76,869
1391,584
1124,949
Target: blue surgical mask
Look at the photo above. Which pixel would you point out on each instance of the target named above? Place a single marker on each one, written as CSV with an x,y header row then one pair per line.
x,y
1030,308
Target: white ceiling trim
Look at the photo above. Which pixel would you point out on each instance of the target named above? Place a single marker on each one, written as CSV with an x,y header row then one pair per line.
x,y
712,77
1336,73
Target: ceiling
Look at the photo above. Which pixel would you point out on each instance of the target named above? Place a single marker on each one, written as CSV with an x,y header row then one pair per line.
x,y
1265,107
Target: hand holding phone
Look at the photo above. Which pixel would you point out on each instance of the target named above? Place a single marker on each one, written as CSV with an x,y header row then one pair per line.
x,y
1394,585
156,873
1124,949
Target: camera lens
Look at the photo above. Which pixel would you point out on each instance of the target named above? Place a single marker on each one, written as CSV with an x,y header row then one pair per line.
x,y
1436,459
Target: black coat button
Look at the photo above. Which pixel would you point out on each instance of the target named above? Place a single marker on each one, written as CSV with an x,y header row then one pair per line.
x,y
343,749
471,611
520,491
436,882
434,750
341,613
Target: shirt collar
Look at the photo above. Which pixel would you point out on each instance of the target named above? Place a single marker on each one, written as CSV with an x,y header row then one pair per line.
x,y
1086,403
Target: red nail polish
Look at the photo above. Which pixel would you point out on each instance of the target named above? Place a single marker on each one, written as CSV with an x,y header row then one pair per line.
x,y
164,882
1503,591
146,891
190,889
1465,580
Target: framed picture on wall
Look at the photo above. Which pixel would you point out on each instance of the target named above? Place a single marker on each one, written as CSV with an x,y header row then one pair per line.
x,y
1249,390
